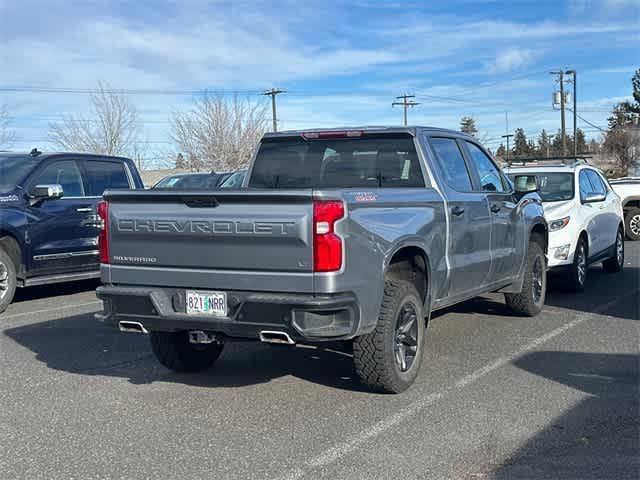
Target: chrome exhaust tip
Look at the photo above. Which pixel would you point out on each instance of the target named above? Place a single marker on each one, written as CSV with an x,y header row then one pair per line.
x,y
272,336
135,327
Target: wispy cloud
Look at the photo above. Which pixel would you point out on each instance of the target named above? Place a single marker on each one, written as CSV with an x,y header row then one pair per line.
x,y
511,59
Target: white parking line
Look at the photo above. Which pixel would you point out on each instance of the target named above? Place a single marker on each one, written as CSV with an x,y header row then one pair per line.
x,y
64,307
339,450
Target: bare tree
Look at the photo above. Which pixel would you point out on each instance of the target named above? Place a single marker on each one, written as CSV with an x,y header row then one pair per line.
x,y
219,134
110,129
623,143
7,135
139,153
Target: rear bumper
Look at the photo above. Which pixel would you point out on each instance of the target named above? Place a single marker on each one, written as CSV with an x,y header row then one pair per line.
x,y
304,317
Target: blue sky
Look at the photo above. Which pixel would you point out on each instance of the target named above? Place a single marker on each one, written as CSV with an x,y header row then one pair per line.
x,y
342,63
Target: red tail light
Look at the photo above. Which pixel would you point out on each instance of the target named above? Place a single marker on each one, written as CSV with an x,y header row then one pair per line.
x,y
103,236
327,245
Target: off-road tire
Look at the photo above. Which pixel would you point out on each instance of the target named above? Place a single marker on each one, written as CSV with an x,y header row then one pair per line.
x,y
8,280
632,214
615,264
574,282
374,354
173,350
525,303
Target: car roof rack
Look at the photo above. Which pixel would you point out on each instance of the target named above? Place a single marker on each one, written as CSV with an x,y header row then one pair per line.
x,y
560,161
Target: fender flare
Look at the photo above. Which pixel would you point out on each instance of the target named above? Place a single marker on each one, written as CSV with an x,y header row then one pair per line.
x,y
414,243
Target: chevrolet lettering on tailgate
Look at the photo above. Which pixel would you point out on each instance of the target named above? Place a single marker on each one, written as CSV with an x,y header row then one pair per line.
x,y
205,227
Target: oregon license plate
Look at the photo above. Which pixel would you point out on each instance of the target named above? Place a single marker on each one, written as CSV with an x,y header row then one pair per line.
x,y
206,303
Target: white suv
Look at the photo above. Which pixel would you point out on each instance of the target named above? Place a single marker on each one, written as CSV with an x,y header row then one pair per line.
x,y
585,218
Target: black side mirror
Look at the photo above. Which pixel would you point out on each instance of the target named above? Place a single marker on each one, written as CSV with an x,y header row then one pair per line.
x,y
39,193
524,184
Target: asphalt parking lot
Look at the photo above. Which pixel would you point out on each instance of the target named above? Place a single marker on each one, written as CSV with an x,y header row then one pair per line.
x,y
498,397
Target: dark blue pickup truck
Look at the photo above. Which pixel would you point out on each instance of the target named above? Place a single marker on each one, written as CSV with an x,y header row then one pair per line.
x,y
48,220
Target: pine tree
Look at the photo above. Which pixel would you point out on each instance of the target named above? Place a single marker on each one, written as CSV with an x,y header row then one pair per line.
x,y
544,143
468,126
501,152
582,143
520,146
556,144
625,113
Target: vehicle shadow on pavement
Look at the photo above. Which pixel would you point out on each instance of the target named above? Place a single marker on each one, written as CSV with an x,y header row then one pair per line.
x,y
57,290
482,305
601,289
600,436
80,345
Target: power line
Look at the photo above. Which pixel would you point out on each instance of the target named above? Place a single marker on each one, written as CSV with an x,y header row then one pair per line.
x,y
589,123
125,91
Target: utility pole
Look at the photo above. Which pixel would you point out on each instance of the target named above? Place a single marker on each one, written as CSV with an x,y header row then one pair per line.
x,y
272,93
560,74
508,136
406,103
575,110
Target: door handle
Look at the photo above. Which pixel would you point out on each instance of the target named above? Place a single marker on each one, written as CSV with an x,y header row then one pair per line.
x,y
84,209
495,208
457,211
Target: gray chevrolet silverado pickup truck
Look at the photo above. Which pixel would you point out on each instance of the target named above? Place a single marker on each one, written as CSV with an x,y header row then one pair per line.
x,y
354,235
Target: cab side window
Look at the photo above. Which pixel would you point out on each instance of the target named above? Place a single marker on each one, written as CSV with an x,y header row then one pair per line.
x,y
104,175
490,178
65,173
452,163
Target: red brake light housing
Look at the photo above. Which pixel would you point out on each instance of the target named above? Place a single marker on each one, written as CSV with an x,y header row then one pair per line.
x,y
327,245
103,236
332,134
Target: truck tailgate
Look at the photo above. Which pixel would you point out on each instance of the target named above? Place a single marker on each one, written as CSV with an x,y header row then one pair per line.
x,y
252,231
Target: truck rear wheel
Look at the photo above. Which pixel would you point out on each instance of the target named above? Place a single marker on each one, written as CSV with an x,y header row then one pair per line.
x,y
173,350
7,280
530,300
388,359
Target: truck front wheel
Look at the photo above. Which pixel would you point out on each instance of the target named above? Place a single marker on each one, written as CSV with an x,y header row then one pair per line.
x,y
7,280
632,223
530,300
174,351
388,359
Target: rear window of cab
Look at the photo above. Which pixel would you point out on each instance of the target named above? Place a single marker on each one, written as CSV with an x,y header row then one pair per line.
x,y
385,161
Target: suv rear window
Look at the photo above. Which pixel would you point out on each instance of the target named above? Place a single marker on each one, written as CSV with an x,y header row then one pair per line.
x,y
371,161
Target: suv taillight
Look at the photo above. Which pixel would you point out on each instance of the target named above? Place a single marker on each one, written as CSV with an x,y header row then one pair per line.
x,y
327,245
103,236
